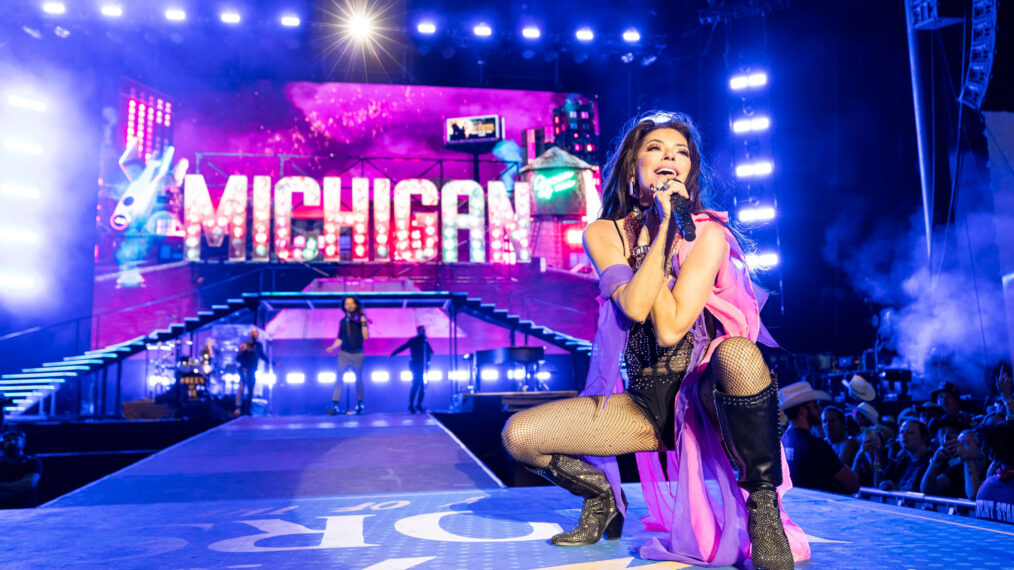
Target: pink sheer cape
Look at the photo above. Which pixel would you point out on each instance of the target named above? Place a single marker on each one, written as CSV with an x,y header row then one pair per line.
x,y
695,499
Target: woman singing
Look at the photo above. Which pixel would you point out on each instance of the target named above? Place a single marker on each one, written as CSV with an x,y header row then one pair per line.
x,y
684,321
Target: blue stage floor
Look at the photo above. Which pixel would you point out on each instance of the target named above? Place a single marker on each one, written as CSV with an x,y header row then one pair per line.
x,y
396,492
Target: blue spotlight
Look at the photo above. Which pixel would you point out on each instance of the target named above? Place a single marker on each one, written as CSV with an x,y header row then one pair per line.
x,y
26,103
740,82
22,146
762,260
751,125
380,376
631,36
175,15
489,374
55,8
349,377
482,30
111,10
406,376
295,378
426,27
327,377
16,191
758,214
761,168
531,33
585,35
16,235
230,17
290,20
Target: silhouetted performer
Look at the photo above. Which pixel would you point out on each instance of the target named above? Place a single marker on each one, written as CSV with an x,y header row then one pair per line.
x,y
420,352
352,333
250,352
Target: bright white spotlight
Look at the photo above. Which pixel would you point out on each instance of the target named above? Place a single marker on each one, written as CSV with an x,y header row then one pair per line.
x,y
434,375
761,214
290,21
17,235
349,377
230,17
22,146
757,79
360,27
380,376
327,377
111,10
490,374
26,103
585,35
751,125
457,375
531,32
295,378
15,191
428,28
483,31
175,15
55,8
406,376
762,260
631,36
265,378
761,168
17,281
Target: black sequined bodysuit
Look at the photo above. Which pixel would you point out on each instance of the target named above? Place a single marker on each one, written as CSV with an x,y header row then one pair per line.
x,y
655,373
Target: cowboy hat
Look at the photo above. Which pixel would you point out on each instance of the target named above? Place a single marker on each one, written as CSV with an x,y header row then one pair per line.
x,y
869,412
799,393
861,388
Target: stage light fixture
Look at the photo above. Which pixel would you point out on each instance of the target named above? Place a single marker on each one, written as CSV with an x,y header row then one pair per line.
x,y
489,374
584,35
175,15
349,377
26,103
360,27
295,378
111,10
266,378
543,375
531,33
406,376
740,82
434,375
55,8
15,191
575,236
16,235
230,17
457,375
751,125
427,28
17,281
327,377
380,376
762,260
761,168
290,21
627,57
482,30
758,214
23,147
631,36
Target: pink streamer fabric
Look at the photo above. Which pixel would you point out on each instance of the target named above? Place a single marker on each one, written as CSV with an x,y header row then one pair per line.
x,y
695,498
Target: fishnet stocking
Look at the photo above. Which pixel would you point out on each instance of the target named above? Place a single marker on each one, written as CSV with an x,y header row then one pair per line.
x,y
738,367
578,426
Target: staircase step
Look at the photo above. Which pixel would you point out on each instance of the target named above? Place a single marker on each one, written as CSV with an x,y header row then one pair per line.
x,y
29,382
75,361
66,368
39,375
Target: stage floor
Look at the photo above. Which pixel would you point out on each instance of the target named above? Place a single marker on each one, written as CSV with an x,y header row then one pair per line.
x,y
396,492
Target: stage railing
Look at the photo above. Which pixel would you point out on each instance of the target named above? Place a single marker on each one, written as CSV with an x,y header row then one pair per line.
x,y
949,505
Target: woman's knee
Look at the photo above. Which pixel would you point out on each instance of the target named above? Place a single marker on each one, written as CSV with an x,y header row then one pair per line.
x,y
737,350
517,434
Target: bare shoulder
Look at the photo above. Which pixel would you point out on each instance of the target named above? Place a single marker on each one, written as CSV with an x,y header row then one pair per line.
x,y
602,243
601,228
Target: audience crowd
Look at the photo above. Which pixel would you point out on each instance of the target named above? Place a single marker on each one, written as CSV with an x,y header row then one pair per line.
x,y
944,447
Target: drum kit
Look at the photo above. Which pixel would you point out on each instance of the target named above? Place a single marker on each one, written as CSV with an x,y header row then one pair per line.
x,y
211,375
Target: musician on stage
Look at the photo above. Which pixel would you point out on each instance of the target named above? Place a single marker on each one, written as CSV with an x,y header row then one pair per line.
x,y
352,333
207,356
420,352
679,311
250,352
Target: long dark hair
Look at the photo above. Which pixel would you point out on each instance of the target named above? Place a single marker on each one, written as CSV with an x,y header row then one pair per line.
x,y
357,314
621,166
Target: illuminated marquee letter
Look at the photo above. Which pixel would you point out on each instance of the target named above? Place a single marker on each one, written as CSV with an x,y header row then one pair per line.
x,y
381,219
473,221
415,235
229,218
335,217
510,225
287,246
262,218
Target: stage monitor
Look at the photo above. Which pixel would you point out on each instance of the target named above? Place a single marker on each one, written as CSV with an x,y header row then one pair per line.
x,y
471,130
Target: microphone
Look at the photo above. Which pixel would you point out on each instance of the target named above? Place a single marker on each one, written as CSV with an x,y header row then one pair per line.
x,y
684,221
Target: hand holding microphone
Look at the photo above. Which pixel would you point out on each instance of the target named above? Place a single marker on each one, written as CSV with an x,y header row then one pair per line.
x,y
679,208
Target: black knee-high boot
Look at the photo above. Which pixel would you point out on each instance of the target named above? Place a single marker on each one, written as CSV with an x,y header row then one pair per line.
x,y
749,427
599,513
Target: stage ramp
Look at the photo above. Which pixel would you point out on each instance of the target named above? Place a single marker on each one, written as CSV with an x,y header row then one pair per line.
x,y
397,492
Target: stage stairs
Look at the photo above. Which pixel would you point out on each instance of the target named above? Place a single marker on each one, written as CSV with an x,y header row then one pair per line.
x,y
33,388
